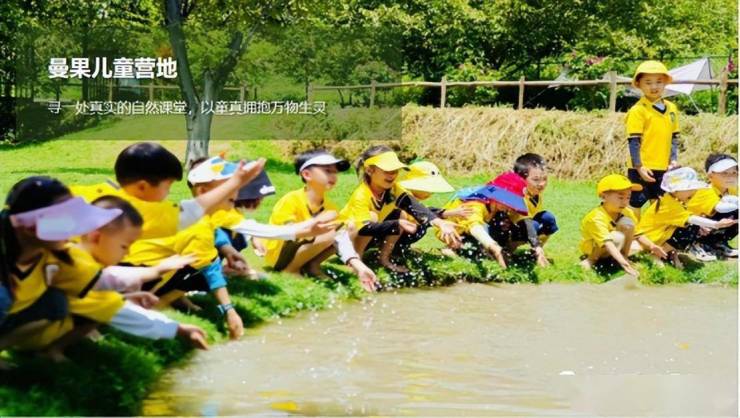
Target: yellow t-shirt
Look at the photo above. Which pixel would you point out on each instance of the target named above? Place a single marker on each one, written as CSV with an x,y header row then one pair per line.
x,y
291,208
705,200
362,206
596,227
534,204
77,278
98,305
80,276
657,131
481,215
198,239
161,219
662,218
30,286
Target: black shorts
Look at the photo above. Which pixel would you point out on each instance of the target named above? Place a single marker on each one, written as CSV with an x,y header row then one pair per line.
x,y
721,236
682,238
52,305
650,191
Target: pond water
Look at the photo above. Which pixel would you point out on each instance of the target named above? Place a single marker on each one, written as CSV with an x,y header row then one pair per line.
x,y
474,349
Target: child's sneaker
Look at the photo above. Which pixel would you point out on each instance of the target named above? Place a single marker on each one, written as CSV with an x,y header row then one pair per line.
x,y
724,250
698,252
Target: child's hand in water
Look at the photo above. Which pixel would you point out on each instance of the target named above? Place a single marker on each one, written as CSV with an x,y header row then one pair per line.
x,y
235,325
498,253
144,299
407,226
368,279
629,269
542,261
247,172
175,262
194,335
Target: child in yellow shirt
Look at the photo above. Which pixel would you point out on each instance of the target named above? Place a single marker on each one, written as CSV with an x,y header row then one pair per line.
x,y
145,173
668,223
200,241
422,180
371,207
652,133
318,170
608,230
71,270
718,202
533,168
495,209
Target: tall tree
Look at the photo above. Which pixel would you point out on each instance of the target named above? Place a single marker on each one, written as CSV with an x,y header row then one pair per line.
x,y
241,21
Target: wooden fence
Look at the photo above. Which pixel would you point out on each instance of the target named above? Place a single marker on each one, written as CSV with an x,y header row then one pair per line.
x,y
723,82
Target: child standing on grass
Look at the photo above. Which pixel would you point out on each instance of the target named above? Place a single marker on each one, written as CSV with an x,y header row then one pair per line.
x,y
718,202
371,207
318,170
607,232
669,224
652,134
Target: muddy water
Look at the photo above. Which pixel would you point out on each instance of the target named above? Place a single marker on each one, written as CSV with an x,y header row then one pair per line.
x,y
478,350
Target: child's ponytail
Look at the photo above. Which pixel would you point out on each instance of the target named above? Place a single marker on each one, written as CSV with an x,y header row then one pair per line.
x,y
28,194
8,248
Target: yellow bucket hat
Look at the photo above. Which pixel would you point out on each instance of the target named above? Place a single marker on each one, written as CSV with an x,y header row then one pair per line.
x,y
616,182
651,67
386,161
424,176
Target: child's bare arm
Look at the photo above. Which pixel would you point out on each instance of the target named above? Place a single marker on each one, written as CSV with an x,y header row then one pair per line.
x,y
619,258
481,235
243,175
645,243
129,279
233,320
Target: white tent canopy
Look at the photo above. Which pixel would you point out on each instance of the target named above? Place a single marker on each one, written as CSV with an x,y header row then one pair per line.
x,y
697,70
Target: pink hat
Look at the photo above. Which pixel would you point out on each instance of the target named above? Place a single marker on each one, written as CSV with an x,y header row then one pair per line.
x,y
65,220
508,190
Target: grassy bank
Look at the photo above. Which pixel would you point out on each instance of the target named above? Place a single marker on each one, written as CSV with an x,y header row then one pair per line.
x,y
111,377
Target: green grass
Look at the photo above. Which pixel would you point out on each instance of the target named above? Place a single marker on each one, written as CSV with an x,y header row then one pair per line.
x,y
111,377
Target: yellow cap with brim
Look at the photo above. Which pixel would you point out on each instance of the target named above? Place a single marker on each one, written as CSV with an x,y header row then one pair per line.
x,y
387,161
615,182
424,176
651,67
